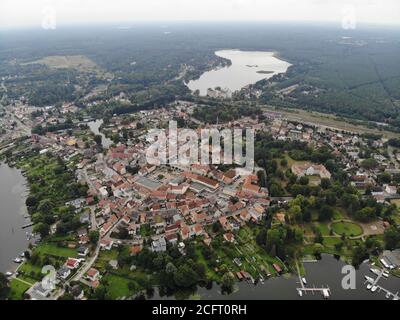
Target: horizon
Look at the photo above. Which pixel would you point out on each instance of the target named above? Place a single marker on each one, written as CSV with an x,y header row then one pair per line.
x,y
30,14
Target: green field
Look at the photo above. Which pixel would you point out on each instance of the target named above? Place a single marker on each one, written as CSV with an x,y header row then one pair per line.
x,y
17,289
54,250
349,229
79,62
117,287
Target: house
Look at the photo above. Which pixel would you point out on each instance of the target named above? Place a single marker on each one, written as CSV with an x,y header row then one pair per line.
x,y
38,292
135,249
392,190
244,215
72,263
113,264
64,272
106,244
82,232
207,182
229,237
230,176
83,251
93,274
280,216
172,238
309,169
119,168
77,292
159,245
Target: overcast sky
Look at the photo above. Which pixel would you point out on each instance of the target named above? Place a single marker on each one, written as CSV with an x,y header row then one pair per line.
x,y
23,13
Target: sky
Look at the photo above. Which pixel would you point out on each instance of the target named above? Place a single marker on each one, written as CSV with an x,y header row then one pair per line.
x,y
42,13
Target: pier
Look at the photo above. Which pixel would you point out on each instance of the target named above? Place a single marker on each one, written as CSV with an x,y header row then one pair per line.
x,y
374,283
27,225
326,292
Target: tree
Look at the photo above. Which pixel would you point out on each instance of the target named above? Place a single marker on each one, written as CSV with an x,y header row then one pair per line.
x,y
227,282
360,253
325,183
304,180
284,162
185,277
392,238
98,139
325,214
42,228
94,236
4,288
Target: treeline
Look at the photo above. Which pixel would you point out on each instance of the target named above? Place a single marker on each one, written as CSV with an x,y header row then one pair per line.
x,y
224,113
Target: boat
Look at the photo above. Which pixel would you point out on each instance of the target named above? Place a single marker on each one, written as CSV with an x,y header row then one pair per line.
x,y
369,286
396,298
375,271
9,273
300,293
369,279
22,254
387,296
374,288
17,260
385,274
325,293
304,280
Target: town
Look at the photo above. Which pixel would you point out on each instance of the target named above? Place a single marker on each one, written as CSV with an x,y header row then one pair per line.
x,y
129,210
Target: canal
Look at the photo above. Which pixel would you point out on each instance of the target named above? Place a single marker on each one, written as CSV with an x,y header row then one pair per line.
x,y
13,239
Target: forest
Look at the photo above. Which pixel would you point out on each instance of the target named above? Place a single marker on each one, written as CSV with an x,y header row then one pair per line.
x,y
351,73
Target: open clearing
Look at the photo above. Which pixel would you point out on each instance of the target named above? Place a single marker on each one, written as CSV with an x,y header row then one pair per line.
x,y
347,228
78,62
329,121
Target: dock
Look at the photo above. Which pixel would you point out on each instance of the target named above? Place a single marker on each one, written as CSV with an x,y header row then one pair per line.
x,y
27,225
326,292
374,283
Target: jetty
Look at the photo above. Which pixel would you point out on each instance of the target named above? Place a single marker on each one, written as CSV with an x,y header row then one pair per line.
x,y
325,291
27,225
374,284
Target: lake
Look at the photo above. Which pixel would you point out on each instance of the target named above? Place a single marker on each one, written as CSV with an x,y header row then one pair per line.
x,y
13,239
95,128
247,67
325,272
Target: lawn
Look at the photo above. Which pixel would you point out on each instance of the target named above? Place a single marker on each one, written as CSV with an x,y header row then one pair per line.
x,y
53,250
104,258
18,288
349,229
117,287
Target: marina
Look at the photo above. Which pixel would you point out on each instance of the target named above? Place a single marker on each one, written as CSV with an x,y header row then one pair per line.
x,y
325,291
13,217
372,284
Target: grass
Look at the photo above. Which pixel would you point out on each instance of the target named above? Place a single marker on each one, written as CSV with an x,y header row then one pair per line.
x,y
17,289
117,287
79,62
104,258
349,229
53,250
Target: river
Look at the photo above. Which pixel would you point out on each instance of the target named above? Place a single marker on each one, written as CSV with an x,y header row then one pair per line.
x,y
13,239
95,128
247,67
323,273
